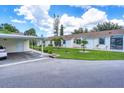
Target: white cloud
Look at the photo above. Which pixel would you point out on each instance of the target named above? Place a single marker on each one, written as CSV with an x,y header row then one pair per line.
x,y
38,15
70,23
18,21
118,21
89,19
24,10
94,16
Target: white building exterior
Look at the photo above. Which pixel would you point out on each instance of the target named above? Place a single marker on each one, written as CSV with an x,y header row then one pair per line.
x,y
111,40
16,43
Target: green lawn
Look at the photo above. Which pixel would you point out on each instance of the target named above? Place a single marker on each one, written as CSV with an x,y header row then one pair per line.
x,y
5,32
70,53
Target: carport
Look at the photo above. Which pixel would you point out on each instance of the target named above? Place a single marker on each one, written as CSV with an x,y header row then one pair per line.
x,y
18,43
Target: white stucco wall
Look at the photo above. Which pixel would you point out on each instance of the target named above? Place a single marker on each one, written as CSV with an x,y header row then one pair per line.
x,y
69,43
15,45
105,46
47,43
92,44
26,45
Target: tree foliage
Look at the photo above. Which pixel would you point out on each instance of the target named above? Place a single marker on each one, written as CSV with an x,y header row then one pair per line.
x,y
30,32
83,43
56,24
106,26
9,28
61,30
80,30
57,41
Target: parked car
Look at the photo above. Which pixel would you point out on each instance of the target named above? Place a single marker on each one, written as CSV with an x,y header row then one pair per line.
x,y
3,53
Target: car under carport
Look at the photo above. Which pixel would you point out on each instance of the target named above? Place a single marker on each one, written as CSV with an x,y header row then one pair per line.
x,y
15,43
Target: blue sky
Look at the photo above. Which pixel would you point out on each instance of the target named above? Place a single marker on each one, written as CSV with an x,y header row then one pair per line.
x,y
40,18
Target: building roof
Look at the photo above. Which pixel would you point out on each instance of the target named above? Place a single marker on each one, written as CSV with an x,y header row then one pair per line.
x,y
92,34
15,36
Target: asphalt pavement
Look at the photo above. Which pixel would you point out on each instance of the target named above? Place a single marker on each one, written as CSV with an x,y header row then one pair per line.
x,y
63,73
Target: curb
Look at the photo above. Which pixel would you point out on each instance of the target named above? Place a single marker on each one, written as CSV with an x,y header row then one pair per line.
x,y
22,62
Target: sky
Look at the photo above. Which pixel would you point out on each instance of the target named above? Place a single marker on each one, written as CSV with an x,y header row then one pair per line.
x,y
72,17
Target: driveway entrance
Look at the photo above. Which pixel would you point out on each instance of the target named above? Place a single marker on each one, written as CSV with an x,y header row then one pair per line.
x,y
17,57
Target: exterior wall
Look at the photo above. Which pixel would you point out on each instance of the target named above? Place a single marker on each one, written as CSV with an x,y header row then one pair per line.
x,y
47,43
76,45
92,44
69,44
15,45
39,42
105,46
26,45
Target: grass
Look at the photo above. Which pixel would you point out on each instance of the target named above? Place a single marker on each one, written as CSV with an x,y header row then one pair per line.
x,y
71,53
5,32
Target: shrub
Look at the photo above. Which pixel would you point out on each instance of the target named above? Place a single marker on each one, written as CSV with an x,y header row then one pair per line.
x,y
45,50
50,51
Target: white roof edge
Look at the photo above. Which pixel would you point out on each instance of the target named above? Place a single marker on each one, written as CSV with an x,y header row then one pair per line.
x,y
18,36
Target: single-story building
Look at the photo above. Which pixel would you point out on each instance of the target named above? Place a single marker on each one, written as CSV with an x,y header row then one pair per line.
x,y
111,40
16,43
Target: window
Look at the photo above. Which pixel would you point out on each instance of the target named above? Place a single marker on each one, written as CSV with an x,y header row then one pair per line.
x,y
1,47
64,41
116,42
77,41
102,41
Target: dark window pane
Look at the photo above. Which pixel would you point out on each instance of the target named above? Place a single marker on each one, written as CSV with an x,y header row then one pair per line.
x,y
77,41
101,40
116,42
64,41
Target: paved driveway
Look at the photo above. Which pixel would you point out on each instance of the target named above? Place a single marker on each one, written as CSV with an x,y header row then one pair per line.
x,y
64,73
21,56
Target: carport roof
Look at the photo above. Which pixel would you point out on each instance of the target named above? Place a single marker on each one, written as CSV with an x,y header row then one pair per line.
x,y
14,36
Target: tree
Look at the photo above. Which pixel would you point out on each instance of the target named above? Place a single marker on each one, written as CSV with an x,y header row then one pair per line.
x,y
57,41
56,25
106,26
61,30
30,32
85,30
9,28
75,32
83,43
80,30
